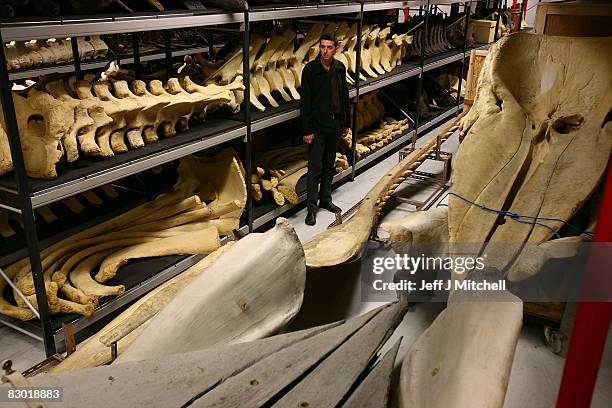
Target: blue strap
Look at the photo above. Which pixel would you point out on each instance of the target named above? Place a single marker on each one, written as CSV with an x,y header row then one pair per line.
x,y
525,219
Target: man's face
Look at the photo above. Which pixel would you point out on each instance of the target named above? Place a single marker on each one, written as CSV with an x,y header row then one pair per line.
x,y
327,49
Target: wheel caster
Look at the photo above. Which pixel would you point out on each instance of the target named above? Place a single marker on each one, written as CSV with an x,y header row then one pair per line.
x,y
555,340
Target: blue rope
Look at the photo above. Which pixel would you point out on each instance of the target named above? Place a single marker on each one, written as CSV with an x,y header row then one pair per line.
x,y
524,219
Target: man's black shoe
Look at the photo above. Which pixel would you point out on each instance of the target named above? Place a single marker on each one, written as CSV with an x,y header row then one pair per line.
x,y
311,218
330,207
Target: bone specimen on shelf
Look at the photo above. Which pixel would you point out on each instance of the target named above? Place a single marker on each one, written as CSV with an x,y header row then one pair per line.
x,y
83,122
374,48
271,73
170,222
272,263
287,76
43,123
28,54
130,323
198,242
143,112
287,185
297,62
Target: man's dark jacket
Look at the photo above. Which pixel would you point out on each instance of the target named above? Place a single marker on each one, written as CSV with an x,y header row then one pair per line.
x,y
315,103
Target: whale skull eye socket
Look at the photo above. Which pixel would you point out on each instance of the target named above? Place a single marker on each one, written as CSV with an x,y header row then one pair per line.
x,y
567,124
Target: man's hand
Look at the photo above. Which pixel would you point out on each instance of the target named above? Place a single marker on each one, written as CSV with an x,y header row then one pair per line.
x,y
345,131
309,138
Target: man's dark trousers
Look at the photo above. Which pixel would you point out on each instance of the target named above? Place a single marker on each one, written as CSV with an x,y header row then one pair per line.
x,y
321,165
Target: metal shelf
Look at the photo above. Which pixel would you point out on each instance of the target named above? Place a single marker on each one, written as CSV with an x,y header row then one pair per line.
x,y
387,5
274,116
478,47
444,115
278,211
97,173
98,64
303,10
442,59
401,72
79,26
95,25
384,150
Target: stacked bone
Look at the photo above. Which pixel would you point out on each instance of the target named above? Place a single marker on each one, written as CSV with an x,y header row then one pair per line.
x,y
9,220
434,39
104,118
278,171
187,220
370,113
274,66
379,54
376,138
21,55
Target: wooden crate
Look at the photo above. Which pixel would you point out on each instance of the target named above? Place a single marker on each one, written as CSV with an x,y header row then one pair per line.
x,y
574,19
477,58
483,30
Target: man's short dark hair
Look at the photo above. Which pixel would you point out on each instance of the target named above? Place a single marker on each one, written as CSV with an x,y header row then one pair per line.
x,y
329,37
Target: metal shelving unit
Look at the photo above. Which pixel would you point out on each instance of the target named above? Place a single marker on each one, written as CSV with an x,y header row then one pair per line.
x,y
44,192
34,193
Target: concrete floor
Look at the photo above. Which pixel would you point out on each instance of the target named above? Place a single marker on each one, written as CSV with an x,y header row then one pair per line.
x,y
536,372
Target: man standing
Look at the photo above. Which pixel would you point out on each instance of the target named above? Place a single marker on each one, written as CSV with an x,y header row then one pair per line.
x,y
324,108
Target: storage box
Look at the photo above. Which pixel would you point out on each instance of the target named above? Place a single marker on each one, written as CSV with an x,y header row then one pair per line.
x,y
483,30
575,19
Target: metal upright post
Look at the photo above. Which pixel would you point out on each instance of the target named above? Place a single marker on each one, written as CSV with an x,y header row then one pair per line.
x,y
76,58
246,80
356,103
211,46
168,50
498,9
468,9
136,54
27,212
422,63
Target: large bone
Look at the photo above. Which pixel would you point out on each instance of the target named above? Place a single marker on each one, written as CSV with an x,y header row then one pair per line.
x,y
223,171
43,123
129,324
548,137
286,74
477,376
82,120
257,296
143,114
81,278
198,242
297,62
271,72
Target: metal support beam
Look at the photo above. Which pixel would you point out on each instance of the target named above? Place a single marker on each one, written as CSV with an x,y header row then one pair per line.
x,y
357,84
468,9
76,58
421,63
136,54
10,120
168,50
246,106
